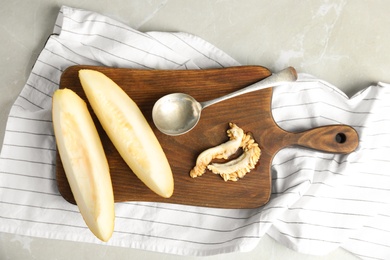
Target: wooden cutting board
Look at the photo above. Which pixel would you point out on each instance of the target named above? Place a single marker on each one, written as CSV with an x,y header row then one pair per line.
x,y
251,112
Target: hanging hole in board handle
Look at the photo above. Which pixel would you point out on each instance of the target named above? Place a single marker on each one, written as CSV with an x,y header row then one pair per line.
x,y
340,138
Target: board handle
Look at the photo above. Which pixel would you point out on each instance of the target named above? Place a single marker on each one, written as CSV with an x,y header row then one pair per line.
x,y
340,139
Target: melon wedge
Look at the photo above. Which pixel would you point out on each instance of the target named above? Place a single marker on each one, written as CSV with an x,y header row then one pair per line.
x,y
129,131
84,162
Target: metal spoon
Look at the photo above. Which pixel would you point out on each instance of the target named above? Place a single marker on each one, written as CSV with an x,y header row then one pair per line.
x,y
178,113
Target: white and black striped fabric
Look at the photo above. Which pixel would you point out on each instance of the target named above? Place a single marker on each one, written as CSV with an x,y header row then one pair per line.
x,y
319,201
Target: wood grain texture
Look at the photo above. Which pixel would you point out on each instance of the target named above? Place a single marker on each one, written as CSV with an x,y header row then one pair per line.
x,y
251,111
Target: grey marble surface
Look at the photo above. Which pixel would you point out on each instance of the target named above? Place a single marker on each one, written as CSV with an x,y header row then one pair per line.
x,y
342,42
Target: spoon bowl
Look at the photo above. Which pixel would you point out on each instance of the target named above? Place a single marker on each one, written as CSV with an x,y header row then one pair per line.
x,y
178,113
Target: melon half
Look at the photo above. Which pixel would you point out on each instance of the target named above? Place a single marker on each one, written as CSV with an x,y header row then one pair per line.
x,y
84,162
129,131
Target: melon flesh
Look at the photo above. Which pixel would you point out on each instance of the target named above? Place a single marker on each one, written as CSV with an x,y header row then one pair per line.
x,y
84,162
129,131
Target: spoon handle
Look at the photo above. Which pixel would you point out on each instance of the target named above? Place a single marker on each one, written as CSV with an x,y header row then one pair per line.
x,y
282,77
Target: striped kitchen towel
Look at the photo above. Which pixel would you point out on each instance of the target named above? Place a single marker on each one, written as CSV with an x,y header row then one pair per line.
x,y
319,201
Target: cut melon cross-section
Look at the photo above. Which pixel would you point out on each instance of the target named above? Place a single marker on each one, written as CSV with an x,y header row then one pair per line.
x,y
129,131
84,161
